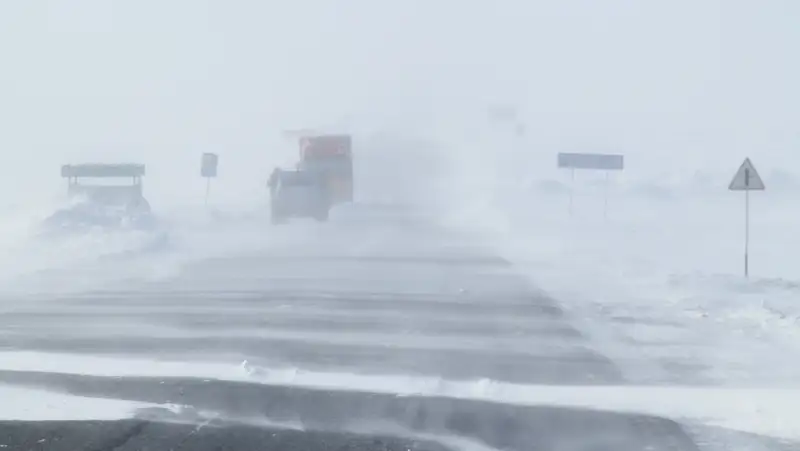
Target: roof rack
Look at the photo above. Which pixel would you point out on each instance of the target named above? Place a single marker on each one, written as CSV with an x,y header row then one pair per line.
x,y
102,170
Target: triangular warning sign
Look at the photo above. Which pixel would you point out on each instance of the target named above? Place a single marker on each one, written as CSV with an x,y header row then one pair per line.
x,y
746,178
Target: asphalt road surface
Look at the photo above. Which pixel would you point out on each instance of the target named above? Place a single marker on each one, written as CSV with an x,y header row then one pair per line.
x,y
366,305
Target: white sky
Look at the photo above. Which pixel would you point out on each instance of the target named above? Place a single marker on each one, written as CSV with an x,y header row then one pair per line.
x,y
684,83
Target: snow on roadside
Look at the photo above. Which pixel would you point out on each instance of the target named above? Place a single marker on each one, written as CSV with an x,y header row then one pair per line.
x,y
25,404
765,411
659,278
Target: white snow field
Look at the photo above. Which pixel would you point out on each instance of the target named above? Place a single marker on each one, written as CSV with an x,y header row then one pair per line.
x,y
656,280
675,260
24,404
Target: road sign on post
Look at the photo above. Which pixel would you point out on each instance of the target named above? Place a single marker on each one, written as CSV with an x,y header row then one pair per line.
x,y
592,161
746,179
208,170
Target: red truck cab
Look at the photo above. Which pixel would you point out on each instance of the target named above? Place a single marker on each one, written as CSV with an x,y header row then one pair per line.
x,y
330,156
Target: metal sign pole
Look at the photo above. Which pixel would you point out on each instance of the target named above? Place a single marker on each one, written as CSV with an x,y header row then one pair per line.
x,y
571,190
208,188
605,198
747,233
746,179
747,222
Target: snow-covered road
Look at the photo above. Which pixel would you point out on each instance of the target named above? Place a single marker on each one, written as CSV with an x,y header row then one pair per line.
x,y
375,305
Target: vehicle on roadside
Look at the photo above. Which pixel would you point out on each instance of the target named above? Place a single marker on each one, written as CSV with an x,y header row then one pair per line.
x,y
297,194
103,205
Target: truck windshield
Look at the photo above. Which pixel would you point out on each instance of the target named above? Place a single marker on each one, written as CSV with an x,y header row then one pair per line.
x,y
297,179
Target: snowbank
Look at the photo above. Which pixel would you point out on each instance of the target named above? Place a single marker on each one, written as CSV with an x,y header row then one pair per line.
x,y
24,404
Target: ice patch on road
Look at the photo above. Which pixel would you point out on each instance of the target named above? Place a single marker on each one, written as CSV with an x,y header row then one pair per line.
x,y
23,404
754,410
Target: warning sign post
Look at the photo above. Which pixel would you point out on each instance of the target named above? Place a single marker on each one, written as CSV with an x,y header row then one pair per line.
x,y
746,179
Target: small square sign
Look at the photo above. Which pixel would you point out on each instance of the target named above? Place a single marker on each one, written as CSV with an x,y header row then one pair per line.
x,y
209,165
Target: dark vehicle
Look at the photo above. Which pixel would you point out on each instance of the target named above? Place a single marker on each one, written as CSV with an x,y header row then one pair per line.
x,y
298,194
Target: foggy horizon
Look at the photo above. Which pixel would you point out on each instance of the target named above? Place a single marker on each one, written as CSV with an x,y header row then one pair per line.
x,y
679,85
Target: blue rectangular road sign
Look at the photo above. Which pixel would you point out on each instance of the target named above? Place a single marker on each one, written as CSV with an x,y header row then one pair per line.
x,y
598,161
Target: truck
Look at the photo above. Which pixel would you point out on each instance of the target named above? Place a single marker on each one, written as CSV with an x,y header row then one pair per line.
x,y
329,157
297,193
